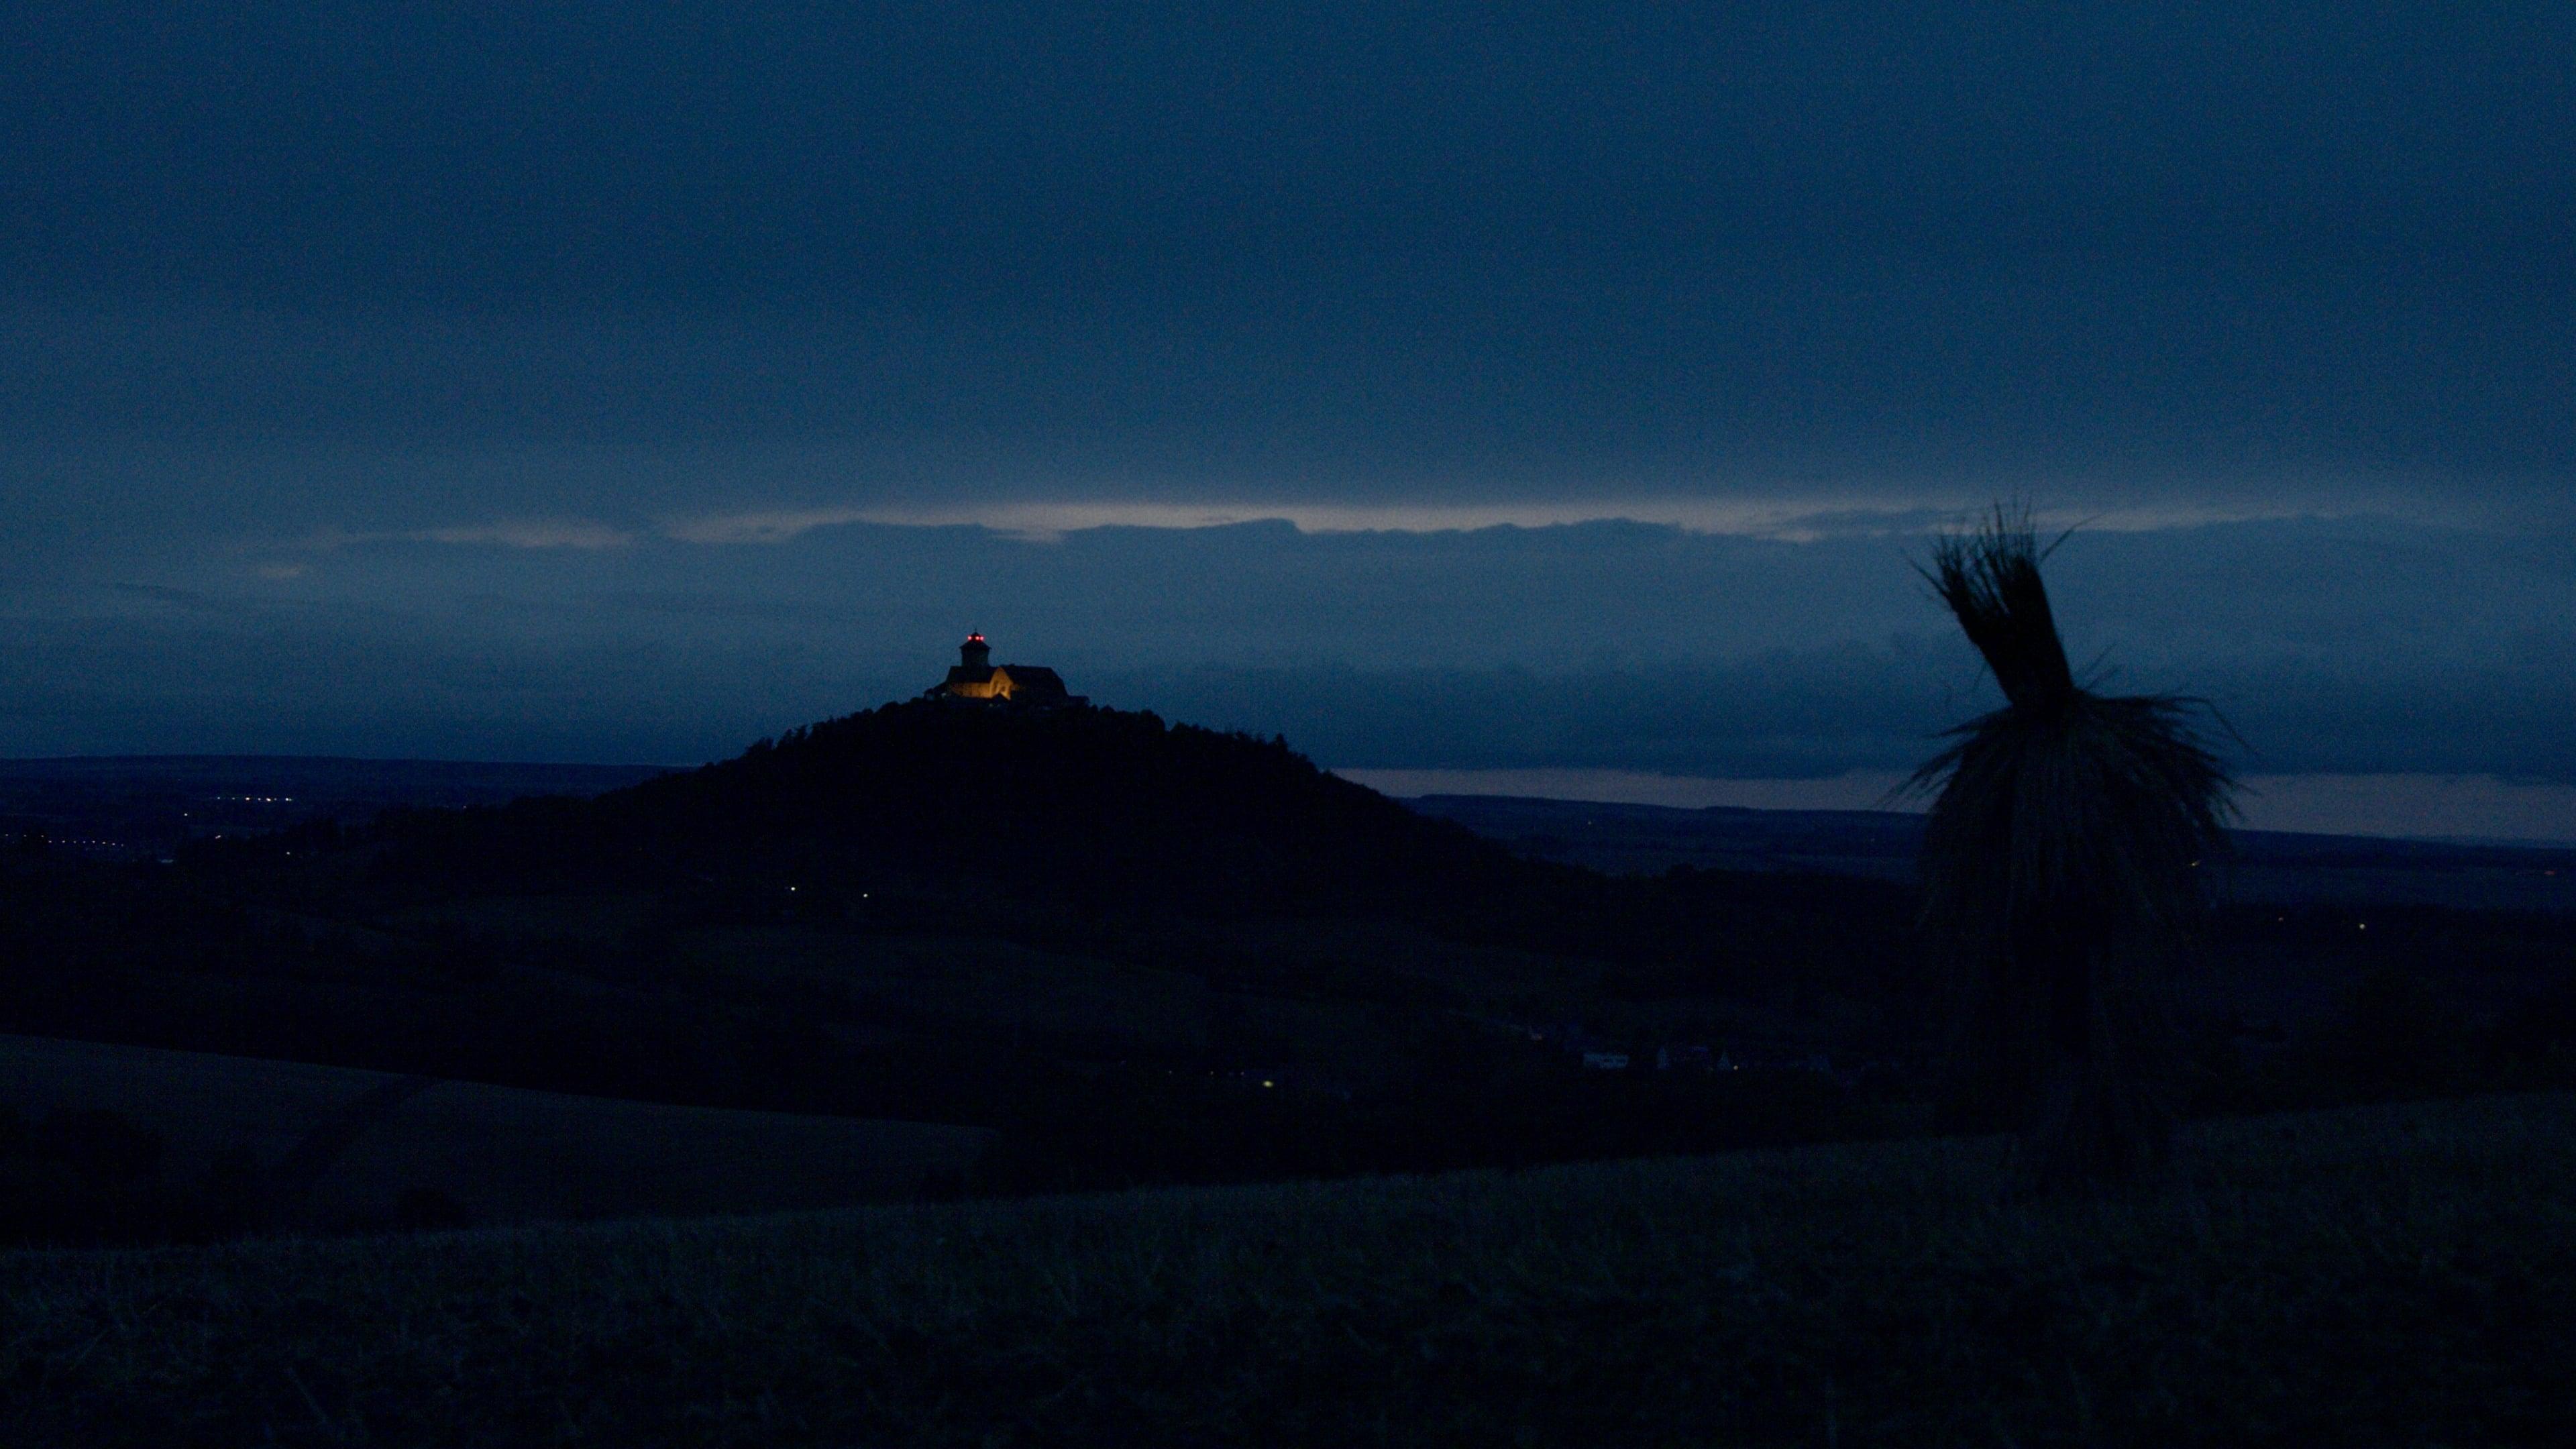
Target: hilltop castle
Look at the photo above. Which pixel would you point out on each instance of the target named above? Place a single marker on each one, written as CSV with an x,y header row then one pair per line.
x,y
976,678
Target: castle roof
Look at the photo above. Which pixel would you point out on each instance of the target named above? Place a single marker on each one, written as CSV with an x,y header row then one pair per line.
x,y
1033,679
1028,684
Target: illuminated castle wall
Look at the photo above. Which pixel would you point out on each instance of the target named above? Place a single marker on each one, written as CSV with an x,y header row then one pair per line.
x,y
976,677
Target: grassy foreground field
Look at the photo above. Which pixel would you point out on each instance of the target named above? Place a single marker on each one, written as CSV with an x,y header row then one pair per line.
x,y
2382,1276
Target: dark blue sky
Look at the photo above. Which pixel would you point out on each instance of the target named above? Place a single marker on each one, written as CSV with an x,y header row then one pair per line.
x,y
365,371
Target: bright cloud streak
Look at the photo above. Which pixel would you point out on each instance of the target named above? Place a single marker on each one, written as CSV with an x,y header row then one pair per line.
x,y
519,533
1801,520
535,533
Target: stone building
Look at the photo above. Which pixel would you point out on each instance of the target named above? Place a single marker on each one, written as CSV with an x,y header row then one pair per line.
x,y
976,678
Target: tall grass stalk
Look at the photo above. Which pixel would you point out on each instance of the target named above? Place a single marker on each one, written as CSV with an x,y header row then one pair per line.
x,y
2062,877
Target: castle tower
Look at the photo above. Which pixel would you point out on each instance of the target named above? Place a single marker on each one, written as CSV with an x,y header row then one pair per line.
x,y
975,653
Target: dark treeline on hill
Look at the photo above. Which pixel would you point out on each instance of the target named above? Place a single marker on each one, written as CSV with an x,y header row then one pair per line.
x,y
1148,953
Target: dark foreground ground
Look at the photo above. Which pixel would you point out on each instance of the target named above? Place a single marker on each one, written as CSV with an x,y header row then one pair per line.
x,y
2399,1275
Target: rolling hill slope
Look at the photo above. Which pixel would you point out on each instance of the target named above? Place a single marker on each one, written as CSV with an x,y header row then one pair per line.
x,y
335,1146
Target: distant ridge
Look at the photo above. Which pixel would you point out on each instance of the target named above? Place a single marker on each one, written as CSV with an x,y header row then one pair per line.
x,y
329,768
144,806
2269,866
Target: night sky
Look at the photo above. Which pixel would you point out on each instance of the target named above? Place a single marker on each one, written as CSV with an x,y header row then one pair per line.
x,y
1471,386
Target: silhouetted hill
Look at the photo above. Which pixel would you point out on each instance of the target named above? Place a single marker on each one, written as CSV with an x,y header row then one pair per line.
x,y
1094,808
927,816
